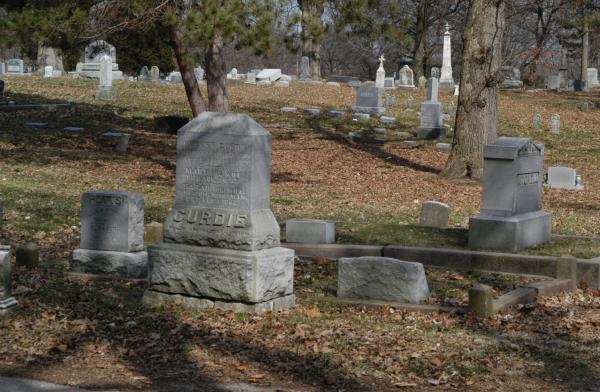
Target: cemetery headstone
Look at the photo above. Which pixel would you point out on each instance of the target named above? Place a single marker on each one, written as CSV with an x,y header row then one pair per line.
x,y
564,178
422,82
154,74
120,140
443,146
233,74
337,113
446,79
94,52
310,231
511,79
511,217
2,68
304,68
390,100
112,235
106,91
380,75
199,73
555,123
431,114
553,82
48,71
434,214
175,77
312,111
251,78
7,301
354,83
332,84
282,84
15,67
221,240
289,109
369,100
144,74
381,278
48,56
410,103
592,77
406,78
388,83
537,121
269,74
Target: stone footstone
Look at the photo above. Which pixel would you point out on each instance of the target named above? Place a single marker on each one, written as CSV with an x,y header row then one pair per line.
x,y
379,130
404,134
282,84
221,274
361,116
73,129
381,278
121,139
313,112
410,143
28,255
443,146
125,264
155,299
481,300
336,113
332,84
289,110
37,125
310,231
387,120
434,214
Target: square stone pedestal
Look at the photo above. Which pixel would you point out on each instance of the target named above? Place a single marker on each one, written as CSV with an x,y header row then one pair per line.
x,y
511,233
206,277
106,93
125,264
432,133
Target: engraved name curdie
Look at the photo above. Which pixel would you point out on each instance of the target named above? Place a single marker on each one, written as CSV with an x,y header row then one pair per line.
x,y
210,218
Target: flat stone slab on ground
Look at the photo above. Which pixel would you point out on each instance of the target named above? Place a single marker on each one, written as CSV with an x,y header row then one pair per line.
x,y
313,112
37,125
125,264
73,129
381,278
411,143
337,113
387,119
289,109
443,146
310,231
361,116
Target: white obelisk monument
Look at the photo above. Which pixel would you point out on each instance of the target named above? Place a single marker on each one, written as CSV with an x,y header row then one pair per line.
x,y
446,80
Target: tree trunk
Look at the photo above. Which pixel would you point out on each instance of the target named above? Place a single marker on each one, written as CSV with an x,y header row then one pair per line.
x,y
315,61
477,110
420,37
312,10
187,73
585,42
216,75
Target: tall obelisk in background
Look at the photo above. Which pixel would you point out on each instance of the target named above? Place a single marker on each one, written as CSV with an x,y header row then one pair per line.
x,y
446,80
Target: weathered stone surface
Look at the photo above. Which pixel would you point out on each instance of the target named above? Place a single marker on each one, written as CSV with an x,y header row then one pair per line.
x,y
124,264
158,299
369,100
112,221
224,274
289,109
28,255
381,278
563,178
313,112
310,231
7,302
481,300
120,140
434,214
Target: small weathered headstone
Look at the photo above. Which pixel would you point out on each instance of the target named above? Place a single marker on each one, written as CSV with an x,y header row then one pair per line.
x,y
106,91
144,74
379,130
434,214
251,78
361,116
410,102
564,178
154,74
537,121
312,112
585,106
443,146
431,126
7,301
555,124
289,109
381,278
310,231
389,83
422,82
390,100
354,83
336,113
406,78
121,139
282,84
112,234
28,255
369,100
481,300
199,74
304,68
387,119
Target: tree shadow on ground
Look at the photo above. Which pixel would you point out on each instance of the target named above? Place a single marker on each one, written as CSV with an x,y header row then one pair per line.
x,y
157,343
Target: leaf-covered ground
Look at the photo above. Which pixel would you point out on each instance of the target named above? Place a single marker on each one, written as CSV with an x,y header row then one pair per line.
x,y
96,333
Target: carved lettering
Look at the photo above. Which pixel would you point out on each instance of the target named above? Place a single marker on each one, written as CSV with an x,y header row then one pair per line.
x,y
206,218
527,179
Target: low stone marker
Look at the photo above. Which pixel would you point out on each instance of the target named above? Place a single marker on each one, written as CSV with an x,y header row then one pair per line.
x,y
481,300
313,112
555,124
381,278
250,78
106,91
369,100
434,214
28,255
564,178
289,109
361,116
443,146
410,102
73,129
387,119
37,125
121,139
537,121
310,231
112,234
511,217
7,301
337,113
332,84
282,84
410,143
154,74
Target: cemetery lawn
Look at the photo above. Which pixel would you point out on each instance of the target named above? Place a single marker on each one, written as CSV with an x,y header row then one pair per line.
x,y
96,334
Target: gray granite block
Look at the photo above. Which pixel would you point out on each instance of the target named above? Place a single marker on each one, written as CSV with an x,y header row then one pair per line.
x,y
112,221
124,264
443,146
510,233
387,119
381,278
7,302
361,116
337,113
221,274
106,93
289,109
432,133
37,125
310,231
312,112
73,129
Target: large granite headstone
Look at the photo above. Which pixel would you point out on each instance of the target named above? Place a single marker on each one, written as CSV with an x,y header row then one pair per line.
x,y
511,79
94,52
112,234
7,302
15,67
511,217
369,100
221,240
431,114
106,91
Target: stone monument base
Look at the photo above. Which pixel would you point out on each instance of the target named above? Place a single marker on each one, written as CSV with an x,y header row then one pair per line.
x,y
446,85
6,305
222,275
125,264
106,94
95,74
432,133
377,111
511,233
511,85
156,299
